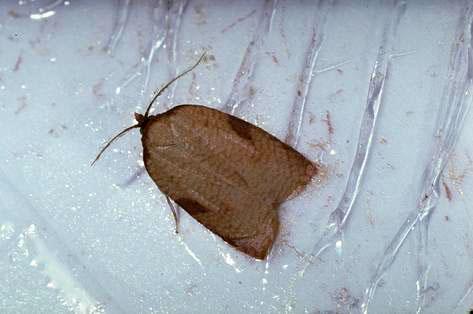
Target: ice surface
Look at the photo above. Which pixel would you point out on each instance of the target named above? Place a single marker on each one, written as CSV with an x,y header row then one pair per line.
x,y
315,73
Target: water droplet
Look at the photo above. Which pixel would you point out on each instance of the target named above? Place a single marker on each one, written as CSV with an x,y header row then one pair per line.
x,y
338,245
6,231
42,15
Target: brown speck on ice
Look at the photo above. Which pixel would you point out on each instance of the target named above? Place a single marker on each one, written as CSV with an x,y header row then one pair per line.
x,y
323,146
97,89
311,118
273,57
328,121
19,61
447,218
200,14
299,93
22,104
57,132
286,243
239,20
334,96
14,14
455,176
344,299
383,140
53,133
448,192
252,91
340,71
329,201
191,289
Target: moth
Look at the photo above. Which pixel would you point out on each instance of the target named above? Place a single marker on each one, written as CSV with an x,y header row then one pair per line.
x,y
228,174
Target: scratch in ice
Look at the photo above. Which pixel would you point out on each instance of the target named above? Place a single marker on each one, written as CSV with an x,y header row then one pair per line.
x,y
190,252
120,23
167,19
455,103
167,26
173,21
463,298
227,257
305,78
239,20
333,234
331,67
240,93
173,26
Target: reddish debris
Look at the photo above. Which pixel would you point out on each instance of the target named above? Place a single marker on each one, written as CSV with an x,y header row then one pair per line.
x,y
448,192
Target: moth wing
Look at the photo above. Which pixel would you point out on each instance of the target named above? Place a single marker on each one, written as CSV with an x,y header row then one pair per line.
x,y
250,231
228,174
280,169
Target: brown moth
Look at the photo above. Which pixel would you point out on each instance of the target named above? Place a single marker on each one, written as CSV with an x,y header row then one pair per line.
x,y
228,174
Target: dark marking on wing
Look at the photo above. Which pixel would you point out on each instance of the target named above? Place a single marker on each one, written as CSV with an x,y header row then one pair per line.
x,y
241,127
259,244
191,206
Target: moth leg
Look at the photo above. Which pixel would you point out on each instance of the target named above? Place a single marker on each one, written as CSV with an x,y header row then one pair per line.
x,y
133,178
175,212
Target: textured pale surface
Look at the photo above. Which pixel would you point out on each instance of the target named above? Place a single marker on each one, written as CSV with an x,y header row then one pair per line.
x,y
228,174
75,238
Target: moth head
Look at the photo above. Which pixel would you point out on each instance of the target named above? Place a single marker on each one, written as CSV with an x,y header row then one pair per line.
x,y
142,119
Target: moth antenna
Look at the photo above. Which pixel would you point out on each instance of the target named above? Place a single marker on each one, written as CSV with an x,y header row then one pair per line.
x,y
112,140
172,81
